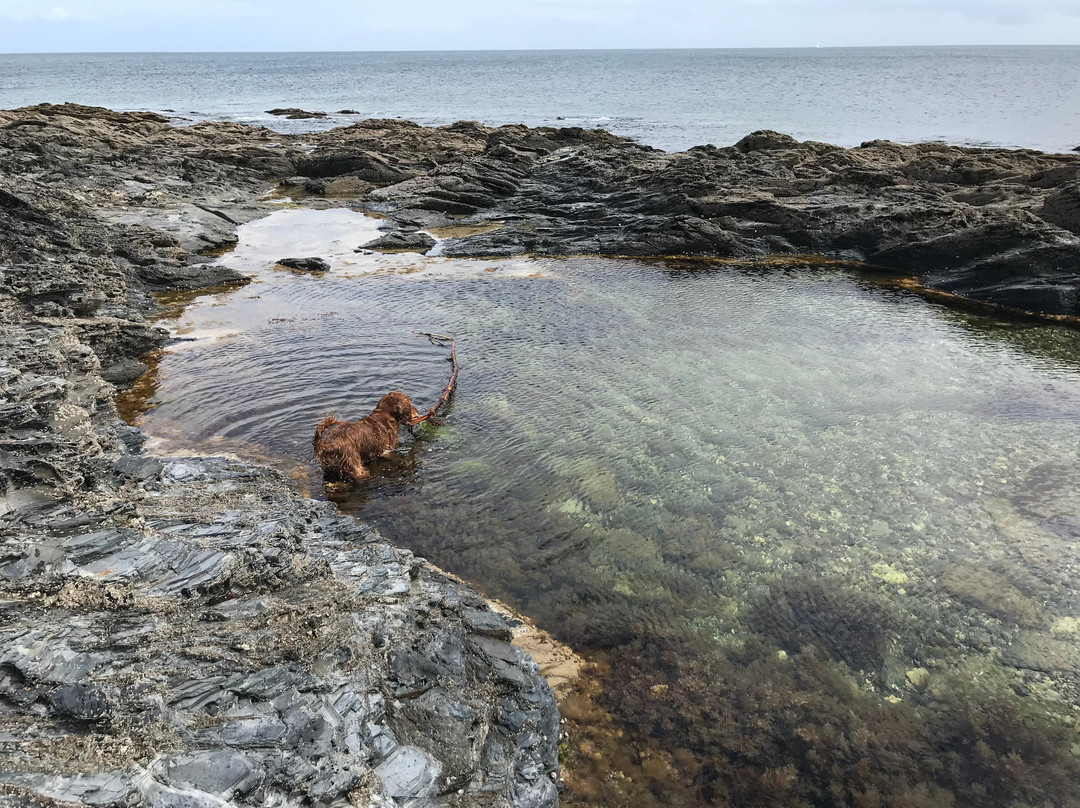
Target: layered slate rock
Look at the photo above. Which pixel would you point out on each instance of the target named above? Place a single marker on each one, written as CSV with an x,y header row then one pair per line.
x,y
237,643
191,631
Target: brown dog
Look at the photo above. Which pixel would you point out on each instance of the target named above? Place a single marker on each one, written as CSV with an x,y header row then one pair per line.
x,y
342,447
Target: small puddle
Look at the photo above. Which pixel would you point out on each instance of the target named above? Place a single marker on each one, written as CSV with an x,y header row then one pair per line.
x,y
818,538
464,230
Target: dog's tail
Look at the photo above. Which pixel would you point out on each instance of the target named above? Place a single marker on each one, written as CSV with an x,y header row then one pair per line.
x,y
325,424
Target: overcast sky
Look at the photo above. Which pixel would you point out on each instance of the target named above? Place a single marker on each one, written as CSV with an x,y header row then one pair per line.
x,y
351,25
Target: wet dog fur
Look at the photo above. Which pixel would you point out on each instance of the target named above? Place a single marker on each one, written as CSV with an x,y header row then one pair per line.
x,y
343,447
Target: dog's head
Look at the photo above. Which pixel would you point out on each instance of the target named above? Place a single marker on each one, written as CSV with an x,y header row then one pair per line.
x,y
399,407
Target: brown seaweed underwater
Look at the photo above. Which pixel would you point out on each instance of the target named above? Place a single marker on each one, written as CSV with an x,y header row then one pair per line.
x,y
818,538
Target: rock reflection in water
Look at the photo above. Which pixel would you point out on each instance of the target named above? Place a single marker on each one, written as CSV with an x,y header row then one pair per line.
x,y
819,538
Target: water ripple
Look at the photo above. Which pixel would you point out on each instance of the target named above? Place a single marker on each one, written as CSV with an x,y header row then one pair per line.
x,y
647,457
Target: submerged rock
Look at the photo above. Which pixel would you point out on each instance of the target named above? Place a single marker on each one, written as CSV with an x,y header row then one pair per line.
x,y
993,593
918,678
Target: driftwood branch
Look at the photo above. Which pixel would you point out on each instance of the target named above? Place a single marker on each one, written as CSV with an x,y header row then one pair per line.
x,y
448,391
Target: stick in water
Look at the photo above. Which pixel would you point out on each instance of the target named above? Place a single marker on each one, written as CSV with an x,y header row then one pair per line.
x,y
430,415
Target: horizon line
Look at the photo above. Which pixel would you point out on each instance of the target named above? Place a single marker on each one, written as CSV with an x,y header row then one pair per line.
x,y
535,50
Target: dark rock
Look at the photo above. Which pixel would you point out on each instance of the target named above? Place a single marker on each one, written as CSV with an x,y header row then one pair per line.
x,y
138,467
131,437
347,112
295,113
765,140
421,219
389,151
995,225
306,264
159,277
844,623
1042,652
415,241
308,185
123,372
488,623
80,700
1063,208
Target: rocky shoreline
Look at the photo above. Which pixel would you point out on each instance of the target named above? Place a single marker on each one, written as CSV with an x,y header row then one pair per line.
x,y
991,225
191,631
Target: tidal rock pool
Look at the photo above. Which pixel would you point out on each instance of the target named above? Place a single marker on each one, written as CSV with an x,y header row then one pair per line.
x,y
820,537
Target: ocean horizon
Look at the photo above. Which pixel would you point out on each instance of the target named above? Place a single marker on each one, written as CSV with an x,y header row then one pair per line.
x,y
1022,96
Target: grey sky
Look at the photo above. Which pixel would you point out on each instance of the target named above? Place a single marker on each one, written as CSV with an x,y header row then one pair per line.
x,y
245,25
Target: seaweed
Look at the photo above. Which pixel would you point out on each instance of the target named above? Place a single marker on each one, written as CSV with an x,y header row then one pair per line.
x,y
787,702
846,624
765,729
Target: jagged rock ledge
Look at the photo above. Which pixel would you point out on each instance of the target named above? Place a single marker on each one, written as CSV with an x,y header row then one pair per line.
x,y
996,226
191,631
209,636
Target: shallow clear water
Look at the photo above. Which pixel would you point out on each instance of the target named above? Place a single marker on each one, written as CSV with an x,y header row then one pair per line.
x,y
671,99
745,469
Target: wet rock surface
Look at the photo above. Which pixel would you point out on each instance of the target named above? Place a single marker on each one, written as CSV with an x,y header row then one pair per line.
x,y
993,225
402,241
306,264
190,631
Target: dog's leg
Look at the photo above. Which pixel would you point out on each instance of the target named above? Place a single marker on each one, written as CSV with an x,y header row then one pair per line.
x,y
357,471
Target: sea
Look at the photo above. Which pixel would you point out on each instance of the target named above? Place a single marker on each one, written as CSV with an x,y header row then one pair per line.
x,y
1017,97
